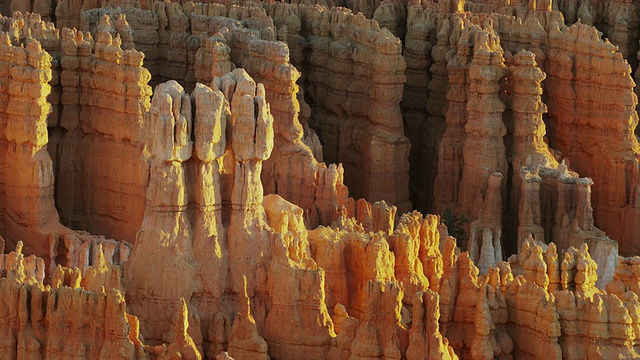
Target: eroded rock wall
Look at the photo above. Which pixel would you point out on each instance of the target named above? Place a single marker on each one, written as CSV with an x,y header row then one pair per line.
x,y
27,180
220,269
355,96
104,126
605,152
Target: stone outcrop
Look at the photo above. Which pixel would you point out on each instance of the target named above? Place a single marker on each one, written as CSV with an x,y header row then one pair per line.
x,y
30,269
472,161
143,23
212,59
292,166
29,120
238,235
481,186
483,150
21,28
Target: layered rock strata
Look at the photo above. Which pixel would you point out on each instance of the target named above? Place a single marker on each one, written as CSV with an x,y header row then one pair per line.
x,y
237,235
610,159
355,109
219,269
110,121
26,179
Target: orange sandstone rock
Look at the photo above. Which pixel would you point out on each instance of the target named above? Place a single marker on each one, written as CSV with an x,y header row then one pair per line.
x,y
219,269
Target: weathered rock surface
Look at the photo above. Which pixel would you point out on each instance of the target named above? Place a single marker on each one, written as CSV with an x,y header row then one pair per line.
x,y
217,231
102,119
27,186
355,96
35,320
241,243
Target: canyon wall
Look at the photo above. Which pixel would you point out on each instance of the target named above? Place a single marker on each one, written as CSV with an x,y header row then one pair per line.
x,y
611,158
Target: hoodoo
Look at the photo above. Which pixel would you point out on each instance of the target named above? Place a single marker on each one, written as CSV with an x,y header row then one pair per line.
x,y
319,179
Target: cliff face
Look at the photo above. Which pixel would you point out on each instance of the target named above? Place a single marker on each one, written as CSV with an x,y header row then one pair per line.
x,y
518,115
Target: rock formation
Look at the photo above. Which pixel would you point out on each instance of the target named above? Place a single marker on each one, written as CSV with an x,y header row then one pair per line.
x,y
355,100
247,240
36,319
109,120
198,220
28,208
610,160
424,132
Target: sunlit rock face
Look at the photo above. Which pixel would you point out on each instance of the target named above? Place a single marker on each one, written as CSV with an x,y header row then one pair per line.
x,y
327,180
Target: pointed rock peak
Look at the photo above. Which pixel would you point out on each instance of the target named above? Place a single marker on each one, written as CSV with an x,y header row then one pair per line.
x,y
245,303
122,21
19,247
100,261
223,356
183,347
182,325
